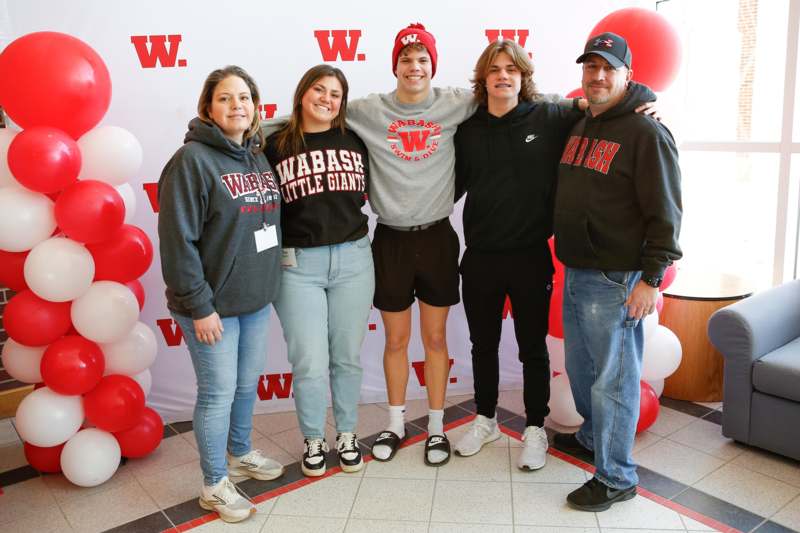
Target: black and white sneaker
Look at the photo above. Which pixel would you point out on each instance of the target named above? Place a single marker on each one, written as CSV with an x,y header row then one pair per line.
x,y
313,464
349,453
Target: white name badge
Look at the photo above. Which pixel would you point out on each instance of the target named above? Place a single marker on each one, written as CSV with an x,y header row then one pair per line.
x,y
266,238
288,258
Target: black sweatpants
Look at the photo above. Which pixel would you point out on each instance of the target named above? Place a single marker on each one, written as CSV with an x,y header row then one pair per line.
x,y
526,277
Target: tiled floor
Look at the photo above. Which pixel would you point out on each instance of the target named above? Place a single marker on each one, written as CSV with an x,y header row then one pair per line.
x,y
692,479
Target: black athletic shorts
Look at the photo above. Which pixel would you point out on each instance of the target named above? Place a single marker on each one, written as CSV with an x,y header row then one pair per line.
x,y
409,264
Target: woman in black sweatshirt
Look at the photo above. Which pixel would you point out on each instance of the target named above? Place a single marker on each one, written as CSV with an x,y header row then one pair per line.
x,y
328,279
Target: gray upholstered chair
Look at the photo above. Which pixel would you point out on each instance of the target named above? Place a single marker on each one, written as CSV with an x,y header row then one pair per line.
x,y
760,340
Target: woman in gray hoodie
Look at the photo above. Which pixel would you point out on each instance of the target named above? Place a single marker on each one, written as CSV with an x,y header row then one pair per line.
x,y
219,235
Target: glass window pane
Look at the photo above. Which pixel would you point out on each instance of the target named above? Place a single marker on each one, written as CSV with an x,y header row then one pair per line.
x,y
730,202
730,87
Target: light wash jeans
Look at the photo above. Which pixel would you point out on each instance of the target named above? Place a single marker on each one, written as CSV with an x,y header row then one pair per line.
x,y
324,305
603,349
227,378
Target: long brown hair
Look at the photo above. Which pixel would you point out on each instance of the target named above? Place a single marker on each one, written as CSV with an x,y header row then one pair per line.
x,y
207,94
289,140
527,90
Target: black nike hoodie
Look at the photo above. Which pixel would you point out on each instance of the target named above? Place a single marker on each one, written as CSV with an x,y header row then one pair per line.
x,y
213,196
618,199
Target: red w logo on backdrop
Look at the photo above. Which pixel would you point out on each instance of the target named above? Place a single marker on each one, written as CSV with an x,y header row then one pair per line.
x,y
520,36
153,50
334,43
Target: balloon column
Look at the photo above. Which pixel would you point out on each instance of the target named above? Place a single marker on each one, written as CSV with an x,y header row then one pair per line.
x,y
66,248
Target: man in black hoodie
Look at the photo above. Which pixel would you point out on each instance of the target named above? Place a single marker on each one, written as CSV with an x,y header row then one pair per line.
x,y
617,219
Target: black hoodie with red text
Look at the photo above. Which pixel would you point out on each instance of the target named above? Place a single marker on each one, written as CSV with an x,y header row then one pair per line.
x,y
618,199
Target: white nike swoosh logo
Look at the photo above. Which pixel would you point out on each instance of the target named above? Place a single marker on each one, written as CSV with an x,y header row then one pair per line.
x,y
530,137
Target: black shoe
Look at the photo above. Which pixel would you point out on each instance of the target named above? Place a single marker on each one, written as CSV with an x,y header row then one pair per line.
x,y
314,450
568,443
349,453
596,496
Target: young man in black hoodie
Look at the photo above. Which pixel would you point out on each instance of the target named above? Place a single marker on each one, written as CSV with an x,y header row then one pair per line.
x,y
506,162
617,219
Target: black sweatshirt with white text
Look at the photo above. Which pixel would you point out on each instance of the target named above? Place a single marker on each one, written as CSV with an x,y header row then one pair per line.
x,y
323,189
618,201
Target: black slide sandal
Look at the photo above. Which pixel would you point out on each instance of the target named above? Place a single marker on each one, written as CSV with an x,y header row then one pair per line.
x,y
390,439
438,443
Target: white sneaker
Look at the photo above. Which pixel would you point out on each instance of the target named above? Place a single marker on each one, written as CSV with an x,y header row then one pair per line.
x,y
314,451
534,453
482,431
349,453
255,465
225,499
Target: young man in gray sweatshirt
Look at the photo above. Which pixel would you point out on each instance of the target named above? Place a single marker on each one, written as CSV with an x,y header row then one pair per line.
x,y
409,133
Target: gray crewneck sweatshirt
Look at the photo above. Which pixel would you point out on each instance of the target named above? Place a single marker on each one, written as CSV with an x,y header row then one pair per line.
x,y
411,152
213,195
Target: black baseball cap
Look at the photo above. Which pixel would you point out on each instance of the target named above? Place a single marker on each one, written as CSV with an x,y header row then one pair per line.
x,y
611,47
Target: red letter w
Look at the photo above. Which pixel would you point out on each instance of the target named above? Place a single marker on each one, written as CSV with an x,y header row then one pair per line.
x,y
338,46
521,36
274,388
414,140
158,52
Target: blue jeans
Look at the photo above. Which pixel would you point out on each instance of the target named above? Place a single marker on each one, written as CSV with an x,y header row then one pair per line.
x,y
324,305
227,378
603,348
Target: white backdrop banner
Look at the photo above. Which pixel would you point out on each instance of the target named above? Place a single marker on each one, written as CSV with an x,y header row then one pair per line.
x,y
159,52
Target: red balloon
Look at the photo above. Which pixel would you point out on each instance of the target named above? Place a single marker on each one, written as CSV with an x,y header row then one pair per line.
x,y
116,404
72,365
12,273
558,275
90,211
123,257
669,276
144,437
660,302
44,159
136,288
654,43
53,79
556,322
31,321
39,386
44,459
576,93
648,407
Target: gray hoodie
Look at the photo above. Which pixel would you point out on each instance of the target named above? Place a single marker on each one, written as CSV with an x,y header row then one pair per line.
x,y
214,195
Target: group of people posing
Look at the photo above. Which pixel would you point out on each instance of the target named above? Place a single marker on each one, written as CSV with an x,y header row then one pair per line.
x,y
246,222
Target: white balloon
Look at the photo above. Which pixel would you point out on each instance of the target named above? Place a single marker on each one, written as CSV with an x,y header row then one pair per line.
x,y
23,362
562,405
26,219
662,354
129,199
133,353
145,380
650,323
555,348
90,457
59,269
6,177
110,154
46,418
106,312
658,386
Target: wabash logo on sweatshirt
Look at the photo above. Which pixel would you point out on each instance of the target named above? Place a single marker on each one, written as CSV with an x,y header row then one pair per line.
x,y
254,188
414,140
317,171
598,157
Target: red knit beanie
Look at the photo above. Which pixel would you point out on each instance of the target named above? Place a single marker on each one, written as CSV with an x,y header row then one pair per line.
x,y
414,33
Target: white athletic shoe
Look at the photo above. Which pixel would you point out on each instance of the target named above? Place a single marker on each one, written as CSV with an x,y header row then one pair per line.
x,y
225,499
482,431
534,453
255,465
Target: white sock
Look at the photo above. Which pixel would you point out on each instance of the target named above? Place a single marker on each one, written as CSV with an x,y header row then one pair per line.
x,y
397,421
436,427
